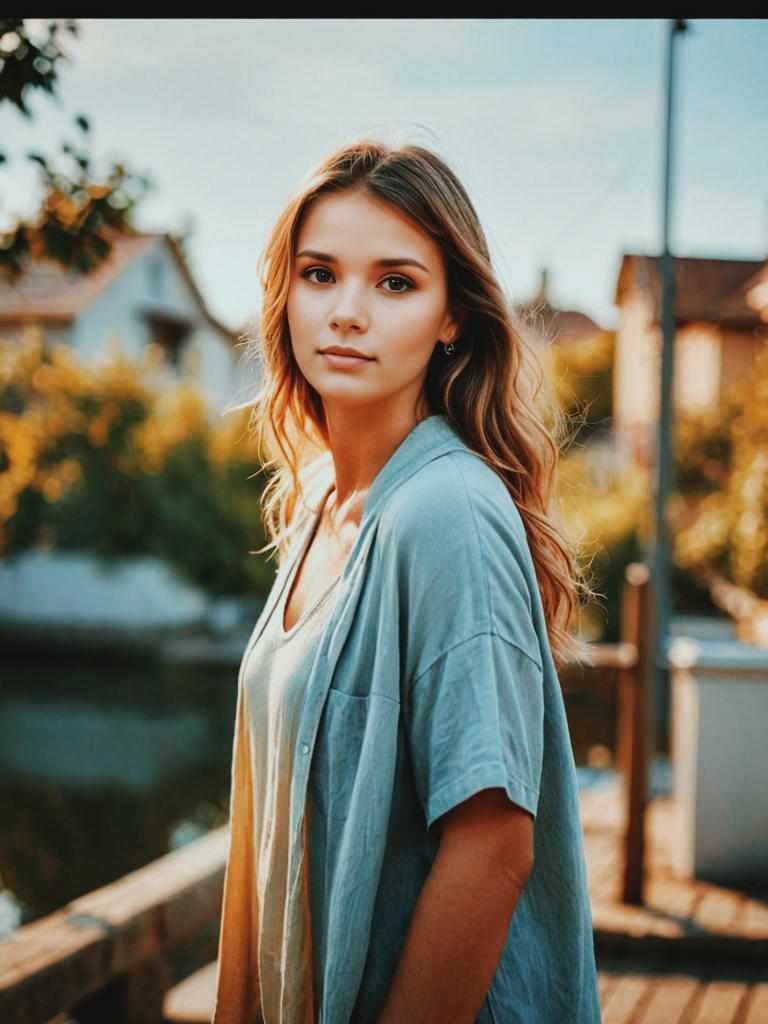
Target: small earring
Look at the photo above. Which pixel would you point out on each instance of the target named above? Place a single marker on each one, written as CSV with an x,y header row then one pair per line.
x,y
449,348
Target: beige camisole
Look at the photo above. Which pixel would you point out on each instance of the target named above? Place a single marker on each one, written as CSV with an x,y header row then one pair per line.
x,y
265,968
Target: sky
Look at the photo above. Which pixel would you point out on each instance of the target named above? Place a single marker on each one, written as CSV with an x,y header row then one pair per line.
x,y
556,127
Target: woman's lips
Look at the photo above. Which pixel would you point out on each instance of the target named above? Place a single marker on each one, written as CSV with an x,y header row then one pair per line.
x,y
344,361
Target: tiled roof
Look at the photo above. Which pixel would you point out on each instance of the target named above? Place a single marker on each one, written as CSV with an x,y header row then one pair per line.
x,y
48,292
544,323
556,325
714,290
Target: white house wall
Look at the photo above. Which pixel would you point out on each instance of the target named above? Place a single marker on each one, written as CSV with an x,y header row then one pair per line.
x,y
213,366
697,367
153,283
636,369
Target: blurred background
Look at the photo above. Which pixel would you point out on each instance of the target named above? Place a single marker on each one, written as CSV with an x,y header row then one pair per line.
x,y
142,163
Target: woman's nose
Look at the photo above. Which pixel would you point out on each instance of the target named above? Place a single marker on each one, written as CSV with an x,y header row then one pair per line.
x,y
349,309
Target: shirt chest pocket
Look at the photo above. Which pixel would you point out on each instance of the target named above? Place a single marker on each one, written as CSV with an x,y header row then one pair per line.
x,y
354,756
337,752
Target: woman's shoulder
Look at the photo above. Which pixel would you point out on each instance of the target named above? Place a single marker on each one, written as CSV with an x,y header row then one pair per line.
x,y
457,496
455,542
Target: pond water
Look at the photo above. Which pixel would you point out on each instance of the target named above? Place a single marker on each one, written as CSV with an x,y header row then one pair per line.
x,y
109,761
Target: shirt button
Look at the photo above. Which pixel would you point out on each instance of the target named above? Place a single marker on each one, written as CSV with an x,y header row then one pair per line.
x,y
305,748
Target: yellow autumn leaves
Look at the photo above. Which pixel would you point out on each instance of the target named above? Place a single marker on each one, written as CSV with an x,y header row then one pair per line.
x,y
727,526
53,408
56,414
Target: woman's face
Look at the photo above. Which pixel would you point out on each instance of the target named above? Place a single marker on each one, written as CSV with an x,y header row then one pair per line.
x,y
365,277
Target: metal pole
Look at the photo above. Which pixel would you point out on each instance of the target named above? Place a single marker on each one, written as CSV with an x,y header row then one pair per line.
x,y
658,688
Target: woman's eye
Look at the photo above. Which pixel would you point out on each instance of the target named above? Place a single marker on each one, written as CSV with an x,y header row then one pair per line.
x,y
401,280
316,270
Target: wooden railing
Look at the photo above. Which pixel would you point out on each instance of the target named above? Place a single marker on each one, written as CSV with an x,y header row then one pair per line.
x,y
104,957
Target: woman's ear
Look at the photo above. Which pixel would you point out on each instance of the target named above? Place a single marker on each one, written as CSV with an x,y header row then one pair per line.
x,y
454,325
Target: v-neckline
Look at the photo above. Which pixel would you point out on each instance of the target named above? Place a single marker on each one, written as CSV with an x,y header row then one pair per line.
x,y
286,634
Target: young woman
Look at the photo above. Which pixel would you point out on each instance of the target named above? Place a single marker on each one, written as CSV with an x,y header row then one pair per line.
x,y
405,835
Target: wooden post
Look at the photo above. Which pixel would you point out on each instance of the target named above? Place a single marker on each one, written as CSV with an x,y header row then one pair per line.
x,y
632,732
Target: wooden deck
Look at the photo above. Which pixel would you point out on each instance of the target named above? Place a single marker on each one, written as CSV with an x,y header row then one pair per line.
x,y
697,953
632,991
640,990
680,916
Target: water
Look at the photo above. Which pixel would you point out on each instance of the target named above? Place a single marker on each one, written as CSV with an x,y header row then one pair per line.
x,y
105,765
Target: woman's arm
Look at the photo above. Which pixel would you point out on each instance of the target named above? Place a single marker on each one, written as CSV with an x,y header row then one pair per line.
x,y
462,917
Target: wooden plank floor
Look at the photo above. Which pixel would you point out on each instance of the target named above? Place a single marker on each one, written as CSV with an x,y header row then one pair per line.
x,y
641,990
695,953
685,916
632,991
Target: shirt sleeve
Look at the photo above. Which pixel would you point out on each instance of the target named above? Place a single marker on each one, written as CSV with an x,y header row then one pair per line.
x,y
474,721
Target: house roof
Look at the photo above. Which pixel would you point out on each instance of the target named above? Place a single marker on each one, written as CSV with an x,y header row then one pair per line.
x,y
551,324
715,290
559,325
47,291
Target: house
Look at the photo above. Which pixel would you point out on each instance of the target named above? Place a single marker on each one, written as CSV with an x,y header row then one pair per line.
x,y
545,323
144,292
721,314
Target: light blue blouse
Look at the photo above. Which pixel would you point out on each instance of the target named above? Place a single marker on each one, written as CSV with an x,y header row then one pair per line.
x,y
433,680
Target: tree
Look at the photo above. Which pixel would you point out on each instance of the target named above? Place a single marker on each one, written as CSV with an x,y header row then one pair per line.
x,y
80,213
27,65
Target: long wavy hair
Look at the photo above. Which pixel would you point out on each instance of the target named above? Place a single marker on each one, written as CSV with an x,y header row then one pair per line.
x,y
493,391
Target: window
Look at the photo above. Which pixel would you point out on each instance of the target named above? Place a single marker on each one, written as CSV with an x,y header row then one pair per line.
x,y
170,335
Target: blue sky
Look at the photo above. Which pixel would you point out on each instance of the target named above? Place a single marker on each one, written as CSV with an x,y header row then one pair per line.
x,y
555,127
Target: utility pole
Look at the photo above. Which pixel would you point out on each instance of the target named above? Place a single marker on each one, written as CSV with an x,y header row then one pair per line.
x,y
658,681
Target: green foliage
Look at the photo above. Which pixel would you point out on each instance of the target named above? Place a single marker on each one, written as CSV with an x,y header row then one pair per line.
x,y
582,373
703,449
717,512
81,211
608,517
28,63
96,460
721,512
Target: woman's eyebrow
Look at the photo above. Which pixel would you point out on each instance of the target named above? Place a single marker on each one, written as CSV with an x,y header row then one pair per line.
x,y
392,261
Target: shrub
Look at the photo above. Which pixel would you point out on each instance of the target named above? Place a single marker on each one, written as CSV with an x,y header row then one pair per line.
x,y
103,460
722,518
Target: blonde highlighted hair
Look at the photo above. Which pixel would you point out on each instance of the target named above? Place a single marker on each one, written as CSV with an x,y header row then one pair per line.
x,y
493,390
